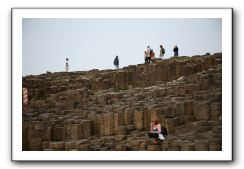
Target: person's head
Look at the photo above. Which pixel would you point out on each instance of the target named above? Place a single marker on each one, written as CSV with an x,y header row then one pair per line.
x,y
161,46
155,122
67,59
148,46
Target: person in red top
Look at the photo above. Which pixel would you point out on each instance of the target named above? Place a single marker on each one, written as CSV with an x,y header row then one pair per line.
x,y
155,130
152,56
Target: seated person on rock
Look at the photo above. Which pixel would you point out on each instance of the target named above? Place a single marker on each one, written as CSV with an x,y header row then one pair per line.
x,y
155,131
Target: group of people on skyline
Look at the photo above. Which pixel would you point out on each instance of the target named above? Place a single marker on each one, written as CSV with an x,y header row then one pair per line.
x,y
149,56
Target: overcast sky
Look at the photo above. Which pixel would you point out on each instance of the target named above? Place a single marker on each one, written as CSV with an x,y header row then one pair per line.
x,y
94,43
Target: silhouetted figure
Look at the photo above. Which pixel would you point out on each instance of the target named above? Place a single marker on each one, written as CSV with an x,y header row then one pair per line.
x,y
116,62
67,65
176,50
162,52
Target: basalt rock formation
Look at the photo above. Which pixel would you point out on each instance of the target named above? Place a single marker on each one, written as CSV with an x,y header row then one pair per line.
x,y
111,110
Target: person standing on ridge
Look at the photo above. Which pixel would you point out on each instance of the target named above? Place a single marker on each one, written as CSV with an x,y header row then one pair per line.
x,y
152,56
116,62
67,65
147,55
176,50
162,52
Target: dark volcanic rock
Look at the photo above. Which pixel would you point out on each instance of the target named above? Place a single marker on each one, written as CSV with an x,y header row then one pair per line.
x,y
111,110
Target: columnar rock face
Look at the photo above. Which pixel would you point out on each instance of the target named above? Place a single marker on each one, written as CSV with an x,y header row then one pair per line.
x,y
112,109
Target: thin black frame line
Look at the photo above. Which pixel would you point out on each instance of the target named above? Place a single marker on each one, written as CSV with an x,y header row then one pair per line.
x,y
124,161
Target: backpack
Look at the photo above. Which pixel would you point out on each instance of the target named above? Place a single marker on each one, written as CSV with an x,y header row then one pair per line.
x,y
164,131
163,50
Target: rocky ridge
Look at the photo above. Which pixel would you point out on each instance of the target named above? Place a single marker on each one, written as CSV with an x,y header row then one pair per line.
x,y
110,110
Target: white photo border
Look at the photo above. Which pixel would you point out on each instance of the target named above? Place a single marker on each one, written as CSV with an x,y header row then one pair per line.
x,y
224,13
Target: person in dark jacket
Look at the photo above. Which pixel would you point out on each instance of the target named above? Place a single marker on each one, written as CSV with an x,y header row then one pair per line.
x,y
176,50
116,62
67,65
162,52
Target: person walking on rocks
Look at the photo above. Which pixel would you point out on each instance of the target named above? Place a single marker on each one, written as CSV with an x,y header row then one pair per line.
x,y
67,65
116,62
155,130
162,52
176,50
152,56
147,55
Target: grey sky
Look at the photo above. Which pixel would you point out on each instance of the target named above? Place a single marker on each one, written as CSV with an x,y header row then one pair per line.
x,y
94,43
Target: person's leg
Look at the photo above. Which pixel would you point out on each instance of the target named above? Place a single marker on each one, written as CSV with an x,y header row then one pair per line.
x,y
150,135
155,138
155,135
155,141
149,59
146,59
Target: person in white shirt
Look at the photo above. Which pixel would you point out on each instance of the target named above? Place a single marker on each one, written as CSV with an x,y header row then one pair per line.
x,y
147,55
